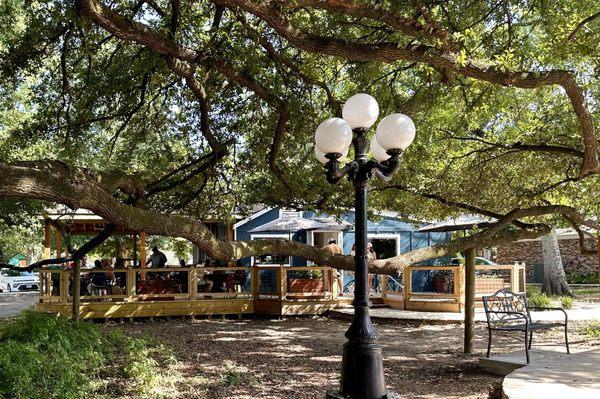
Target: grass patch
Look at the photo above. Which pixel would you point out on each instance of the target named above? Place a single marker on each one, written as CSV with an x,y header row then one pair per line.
x,y
47,357
238,375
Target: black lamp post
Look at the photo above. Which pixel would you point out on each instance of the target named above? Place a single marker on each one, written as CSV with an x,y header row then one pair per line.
x,y
362,363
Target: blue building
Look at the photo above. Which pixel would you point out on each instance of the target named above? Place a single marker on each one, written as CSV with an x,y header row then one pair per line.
x,y
388,232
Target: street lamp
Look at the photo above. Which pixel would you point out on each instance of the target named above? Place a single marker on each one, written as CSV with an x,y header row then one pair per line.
x,y
362,363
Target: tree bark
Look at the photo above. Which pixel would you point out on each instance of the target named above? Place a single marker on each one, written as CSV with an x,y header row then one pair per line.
x,y
555,281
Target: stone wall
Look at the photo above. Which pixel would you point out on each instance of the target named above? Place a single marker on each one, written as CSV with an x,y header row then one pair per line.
x,y
530,252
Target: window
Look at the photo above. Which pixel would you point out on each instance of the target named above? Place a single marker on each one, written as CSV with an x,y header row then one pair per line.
x,y
385,246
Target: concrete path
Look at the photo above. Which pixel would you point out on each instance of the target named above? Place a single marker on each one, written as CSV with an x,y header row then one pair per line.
x,y
580,311
556,376
12,304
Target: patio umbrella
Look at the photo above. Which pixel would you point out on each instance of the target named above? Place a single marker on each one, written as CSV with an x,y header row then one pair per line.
x,y
289,224
463,222
332,224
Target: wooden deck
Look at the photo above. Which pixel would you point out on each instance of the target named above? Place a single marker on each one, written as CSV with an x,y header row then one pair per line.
x,y
262,290
445,291
141,292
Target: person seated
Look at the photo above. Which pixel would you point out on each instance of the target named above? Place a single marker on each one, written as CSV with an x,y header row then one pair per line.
x,y
99,281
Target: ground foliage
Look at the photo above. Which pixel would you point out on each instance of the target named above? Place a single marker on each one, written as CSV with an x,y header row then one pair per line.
x,y
44,356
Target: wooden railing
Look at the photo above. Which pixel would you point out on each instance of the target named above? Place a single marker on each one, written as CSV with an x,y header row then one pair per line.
x,y
442,287
140,284
177,283
275,282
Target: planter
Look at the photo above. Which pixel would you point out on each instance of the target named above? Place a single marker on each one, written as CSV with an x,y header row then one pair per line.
x,y
488,285
303,284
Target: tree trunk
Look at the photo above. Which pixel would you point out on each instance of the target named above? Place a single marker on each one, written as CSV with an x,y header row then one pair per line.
x,y
469,300
555,281
76,290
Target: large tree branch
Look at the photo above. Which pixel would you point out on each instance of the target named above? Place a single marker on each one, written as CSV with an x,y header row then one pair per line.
x,y
75,188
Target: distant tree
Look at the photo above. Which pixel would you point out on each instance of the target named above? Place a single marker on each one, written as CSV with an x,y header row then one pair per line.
x,y
555,280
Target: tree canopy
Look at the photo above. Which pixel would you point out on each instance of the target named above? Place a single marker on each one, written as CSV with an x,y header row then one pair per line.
x,y
159,114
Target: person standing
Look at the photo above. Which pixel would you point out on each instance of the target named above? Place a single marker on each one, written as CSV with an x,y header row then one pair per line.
x,y
333,248
157,259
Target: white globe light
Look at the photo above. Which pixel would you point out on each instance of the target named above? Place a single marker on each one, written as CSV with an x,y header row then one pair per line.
x,y
333,135
395,132
323,159
360,110
378,152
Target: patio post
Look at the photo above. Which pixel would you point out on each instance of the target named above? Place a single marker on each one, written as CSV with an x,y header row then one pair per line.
x,y
76,289
469,300
362,360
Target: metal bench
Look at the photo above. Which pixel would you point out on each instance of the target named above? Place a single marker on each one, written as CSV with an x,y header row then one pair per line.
x,y
508,311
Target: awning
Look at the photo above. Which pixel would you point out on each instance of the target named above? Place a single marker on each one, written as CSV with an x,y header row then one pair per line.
x,y
463,222
296,223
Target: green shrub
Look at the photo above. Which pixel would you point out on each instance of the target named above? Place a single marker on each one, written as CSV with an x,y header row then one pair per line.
x,y
589,278
538,300
592,329
47,357
566,302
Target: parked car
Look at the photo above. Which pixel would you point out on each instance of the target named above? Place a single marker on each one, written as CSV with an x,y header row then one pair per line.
x,y
478,261
12,280
445,261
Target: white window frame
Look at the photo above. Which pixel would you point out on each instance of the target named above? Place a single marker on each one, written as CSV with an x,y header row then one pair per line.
x,y
259,236
310,239
386,236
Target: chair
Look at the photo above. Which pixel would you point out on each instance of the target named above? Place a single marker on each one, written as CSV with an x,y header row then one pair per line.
x,y
508,311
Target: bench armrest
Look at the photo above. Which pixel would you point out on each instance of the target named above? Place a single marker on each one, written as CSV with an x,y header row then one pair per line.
x,y
545,309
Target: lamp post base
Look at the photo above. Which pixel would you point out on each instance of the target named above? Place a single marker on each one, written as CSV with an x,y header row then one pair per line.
x,y
335,394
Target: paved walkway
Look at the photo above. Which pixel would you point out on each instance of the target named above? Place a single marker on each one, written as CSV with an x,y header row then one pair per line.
x,y
557,376
580,311
13,303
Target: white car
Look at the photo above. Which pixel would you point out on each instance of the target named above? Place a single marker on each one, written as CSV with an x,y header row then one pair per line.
x,y
12,280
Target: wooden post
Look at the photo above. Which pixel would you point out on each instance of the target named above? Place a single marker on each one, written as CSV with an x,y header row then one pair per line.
x,y
282,282
192,283
76,290
254,282
407,277
47,234
130,284
58,240
143,257
514,278
469,300
142,249
384,285
64,286
135,250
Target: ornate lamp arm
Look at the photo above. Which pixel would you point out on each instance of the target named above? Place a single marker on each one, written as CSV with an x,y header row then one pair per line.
x,y
334,172
386,169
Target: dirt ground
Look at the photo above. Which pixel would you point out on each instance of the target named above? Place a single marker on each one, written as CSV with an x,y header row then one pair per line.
x,y
300,357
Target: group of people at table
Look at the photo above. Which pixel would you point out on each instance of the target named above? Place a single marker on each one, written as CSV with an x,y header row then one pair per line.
x,y
109,280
